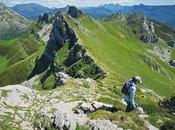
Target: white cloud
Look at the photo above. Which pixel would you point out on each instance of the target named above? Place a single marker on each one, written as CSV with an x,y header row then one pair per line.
x,y
83,3
80,3
62,3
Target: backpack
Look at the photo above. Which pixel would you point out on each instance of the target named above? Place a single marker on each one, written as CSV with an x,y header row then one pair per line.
x,y
126,87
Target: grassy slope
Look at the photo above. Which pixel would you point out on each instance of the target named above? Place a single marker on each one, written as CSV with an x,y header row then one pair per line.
x,y
117,50
17,58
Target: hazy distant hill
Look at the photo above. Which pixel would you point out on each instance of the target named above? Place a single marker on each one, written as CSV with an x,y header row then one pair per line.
x,y
165,14
11,24
30,10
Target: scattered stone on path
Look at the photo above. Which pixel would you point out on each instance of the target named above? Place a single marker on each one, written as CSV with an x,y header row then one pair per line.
x,y
140,110
95,106
103,125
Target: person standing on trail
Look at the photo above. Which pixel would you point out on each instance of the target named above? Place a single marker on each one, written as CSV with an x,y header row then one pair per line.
x,y
129,92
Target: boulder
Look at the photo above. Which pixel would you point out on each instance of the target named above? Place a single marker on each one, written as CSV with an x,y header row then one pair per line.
x,y
61,121
171,43
169,104
61,78
140,110
172,63
95,106
103,125
74,12
102,106
63,118
87,107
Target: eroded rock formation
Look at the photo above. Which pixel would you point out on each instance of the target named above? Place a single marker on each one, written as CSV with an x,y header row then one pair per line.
x,y
61,34
142,28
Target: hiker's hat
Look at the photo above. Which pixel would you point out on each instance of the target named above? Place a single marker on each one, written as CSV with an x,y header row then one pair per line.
x,y
138,79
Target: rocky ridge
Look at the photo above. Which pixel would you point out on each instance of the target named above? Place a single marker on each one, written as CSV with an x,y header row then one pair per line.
x,y
62,109
36,110
47,64
74,12
142,28
43,18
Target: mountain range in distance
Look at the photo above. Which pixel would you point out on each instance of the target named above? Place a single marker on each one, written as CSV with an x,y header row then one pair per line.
x,y
70,57
163,13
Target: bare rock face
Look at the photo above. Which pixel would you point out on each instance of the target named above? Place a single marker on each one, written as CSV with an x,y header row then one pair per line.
x,y
74,12
142,28
60,33
77,58
43,18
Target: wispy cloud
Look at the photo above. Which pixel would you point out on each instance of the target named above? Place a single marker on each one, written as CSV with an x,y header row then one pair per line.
x,y
83,3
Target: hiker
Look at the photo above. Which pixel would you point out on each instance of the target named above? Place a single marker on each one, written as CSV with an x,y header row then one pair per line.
x,y
129,91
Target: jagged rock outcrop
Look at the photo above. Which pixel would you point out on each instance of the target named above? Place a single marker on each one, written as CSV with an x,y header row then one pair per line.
x,y
74,12
172,63
142,28
43,18
60,35
171,43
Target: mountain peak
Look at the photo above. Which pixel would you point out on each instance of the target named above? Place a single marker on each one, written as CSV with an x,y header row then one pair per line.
x,y
31,10
74,12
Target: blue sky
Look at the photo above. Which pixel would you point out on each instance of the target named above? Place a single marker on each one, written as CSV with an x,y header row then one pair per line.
x,y
82,3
